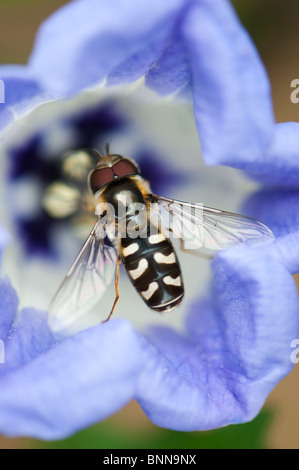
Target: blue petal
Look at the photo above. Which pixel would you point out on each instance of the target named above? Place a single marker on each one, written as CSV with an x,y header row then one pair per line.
x,y
277,208
22,93
8,307
237,347
73,384
8,296
232,96
28,337
117,39
172,69
279,165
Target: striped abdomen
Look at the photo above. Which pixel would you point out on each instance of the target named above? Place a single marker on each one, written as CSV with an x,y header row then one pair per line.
x,y
154,270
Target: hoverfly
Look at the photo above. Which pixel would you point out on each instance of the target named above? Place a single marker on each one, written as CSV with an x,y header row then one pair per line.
x,y
145,250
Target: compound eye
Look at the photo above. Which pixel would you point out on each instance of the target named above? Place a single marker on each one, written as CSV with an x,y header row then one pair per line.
x,y
99,178
124,168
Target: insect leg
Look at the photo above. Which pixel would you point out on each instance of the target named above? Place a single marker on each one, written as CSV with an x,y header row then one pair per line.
x,y
116,290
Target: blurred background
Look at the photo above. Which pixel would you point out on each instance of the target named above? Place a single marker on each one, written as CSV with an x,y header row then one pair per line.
x,y
274,29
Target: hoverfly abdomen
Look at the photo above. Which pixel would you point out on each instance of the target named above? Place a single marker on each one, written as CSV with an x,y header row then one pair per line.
x,y
154,270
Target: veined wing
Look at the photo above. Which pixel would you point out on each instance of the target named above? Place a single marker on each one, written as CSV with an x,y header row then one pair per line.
x,y
85,283
213,229
224,229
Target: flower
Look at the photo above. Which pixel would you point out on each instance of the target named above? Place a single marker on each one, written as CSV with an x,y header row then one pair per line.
x,y
235,344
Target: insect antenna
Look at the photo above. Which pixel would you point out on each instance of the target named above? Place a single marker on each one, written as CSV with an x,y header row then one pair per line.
x,y
107,148
97,152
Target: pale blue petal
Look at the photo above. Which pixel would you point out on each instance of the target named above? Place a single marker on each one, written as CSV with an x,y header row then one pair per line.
x,y
231,91
97,39
8,307
72,385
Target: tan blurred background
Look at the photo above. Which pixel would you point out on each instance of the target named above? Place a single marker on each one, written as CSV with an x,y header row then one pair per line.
x,y
274,28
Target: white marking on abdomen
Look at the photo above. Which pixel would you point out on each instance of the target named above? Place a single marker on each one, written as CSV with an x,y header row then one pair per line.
x,y
129,250
157,238
142,267
147,294
169,303
170,281
165,259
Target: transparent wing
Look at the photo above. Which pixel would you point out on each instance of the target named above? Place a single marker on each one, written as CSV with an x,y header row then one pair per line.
x,y
204,227
85,283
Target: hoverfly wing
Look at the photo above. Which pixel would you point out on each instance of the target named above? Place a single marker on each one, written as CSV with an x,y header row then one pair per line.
x,y
184,220
85,283
212,229
222,229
